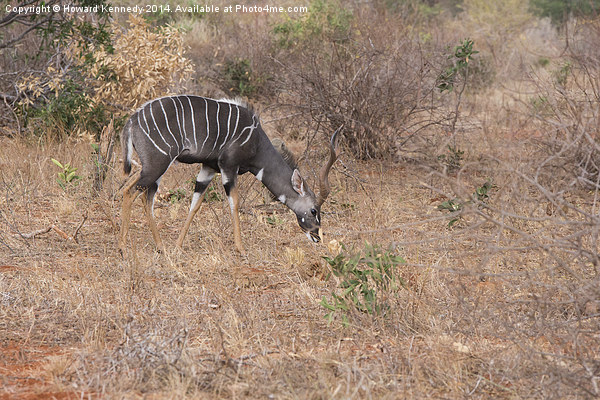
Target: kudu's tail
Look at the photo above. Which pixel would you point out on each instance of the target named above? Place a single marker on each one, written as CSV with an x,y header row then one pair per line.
x,y
127,147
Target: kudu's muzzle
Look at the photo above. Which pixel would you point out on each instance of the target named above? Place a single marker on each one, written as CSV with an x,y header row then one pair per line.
x,y
315,235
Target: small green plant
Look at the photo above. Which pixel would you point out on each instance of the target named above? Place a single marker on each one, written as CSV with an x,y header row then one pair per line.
x,y
175,195
543,62
453,159
274,220
68,176
561,75
241,78
540,105
480,197
459,65
366,279
481,193
212,194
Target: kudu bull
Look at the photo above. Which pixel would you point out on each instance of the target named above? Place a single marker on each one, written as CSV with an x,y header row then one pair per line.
x,y
224,136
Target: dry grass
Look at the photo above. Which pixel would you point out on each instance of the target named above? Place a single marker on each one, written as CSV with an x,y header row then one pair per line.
x,y
505,303
493,307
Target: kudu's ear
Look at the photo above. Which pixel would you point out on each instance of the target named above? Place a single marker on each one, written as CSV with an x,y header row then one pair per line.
x,y
298,183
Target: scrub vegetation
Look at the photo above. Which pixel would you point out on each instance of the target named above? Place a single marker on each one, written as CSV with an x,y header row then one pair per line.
x,y
461,254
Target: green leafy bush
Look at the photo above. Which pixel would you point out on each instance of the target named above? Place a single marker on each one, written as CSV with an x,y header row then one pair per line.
x,y
559,10
366,280
240,78
459,65
325,19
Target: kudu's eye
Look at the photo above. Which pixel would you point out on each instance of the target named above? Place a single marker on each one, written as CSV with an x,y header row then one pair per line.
x,y
313,212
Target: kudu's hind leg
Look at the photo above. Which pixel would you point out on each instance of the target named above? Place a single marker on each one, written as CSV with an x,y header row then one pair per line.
x,y
203,179
229,183
130,193
148,201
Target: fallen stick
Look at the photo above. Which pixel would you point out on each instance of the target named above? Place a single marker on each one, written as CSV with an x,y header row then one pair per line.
x,y
33,234
56,229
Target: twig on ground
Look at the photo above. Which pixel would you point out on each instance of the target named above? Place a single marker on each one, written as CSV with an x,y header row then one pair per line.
x,y
58,231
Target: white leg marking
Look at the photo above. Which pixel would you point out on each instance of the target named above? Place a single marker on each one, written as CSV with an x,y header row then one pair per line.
x,y
282,198
205,174
195,198
193,123
148,134
130,144
259,176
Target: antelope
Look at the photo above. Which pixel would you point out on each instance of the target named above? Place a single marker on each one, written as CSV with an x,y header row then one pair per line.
x,y
223,136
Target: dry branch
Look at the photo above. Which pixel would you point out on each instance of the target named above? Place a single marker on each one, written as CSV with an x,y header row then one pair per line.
x,y
58,231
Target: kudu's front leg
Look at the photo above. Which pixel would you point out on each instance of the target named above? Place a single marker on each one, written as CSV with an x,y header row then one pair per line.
x,y
229,184
202,181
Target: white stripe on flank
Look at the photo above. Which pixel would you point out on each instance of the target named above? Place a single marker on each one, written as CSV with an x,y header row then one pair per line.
x,y
185,135
148,135
237,119
228,126
178,124
168,127
207,125
259,176
158,130
252,128
193,123
218,128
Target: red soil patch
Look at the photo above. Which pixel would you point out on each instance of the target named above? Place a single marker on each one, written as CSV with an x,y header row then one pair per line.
x,y
22,375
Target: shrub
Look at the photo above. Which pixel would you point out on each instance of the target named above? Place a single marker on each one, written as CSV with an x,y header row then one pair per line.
x,y
240,78
560,10
366,279
103,79
326,20
373,83
145,63
567,108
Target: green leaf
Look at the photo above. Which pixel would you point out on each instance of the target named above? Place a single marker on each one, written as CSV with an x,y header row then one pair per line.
x,y
325,304
57,163
71,176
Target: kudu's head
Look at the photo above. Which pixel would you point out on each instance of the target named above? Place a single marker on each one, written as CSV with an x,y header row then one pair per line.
x,y
308,206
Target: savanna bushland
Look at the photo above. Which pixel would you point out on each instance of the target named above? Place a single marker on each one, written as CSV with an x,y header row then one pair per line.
x,y
460,256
